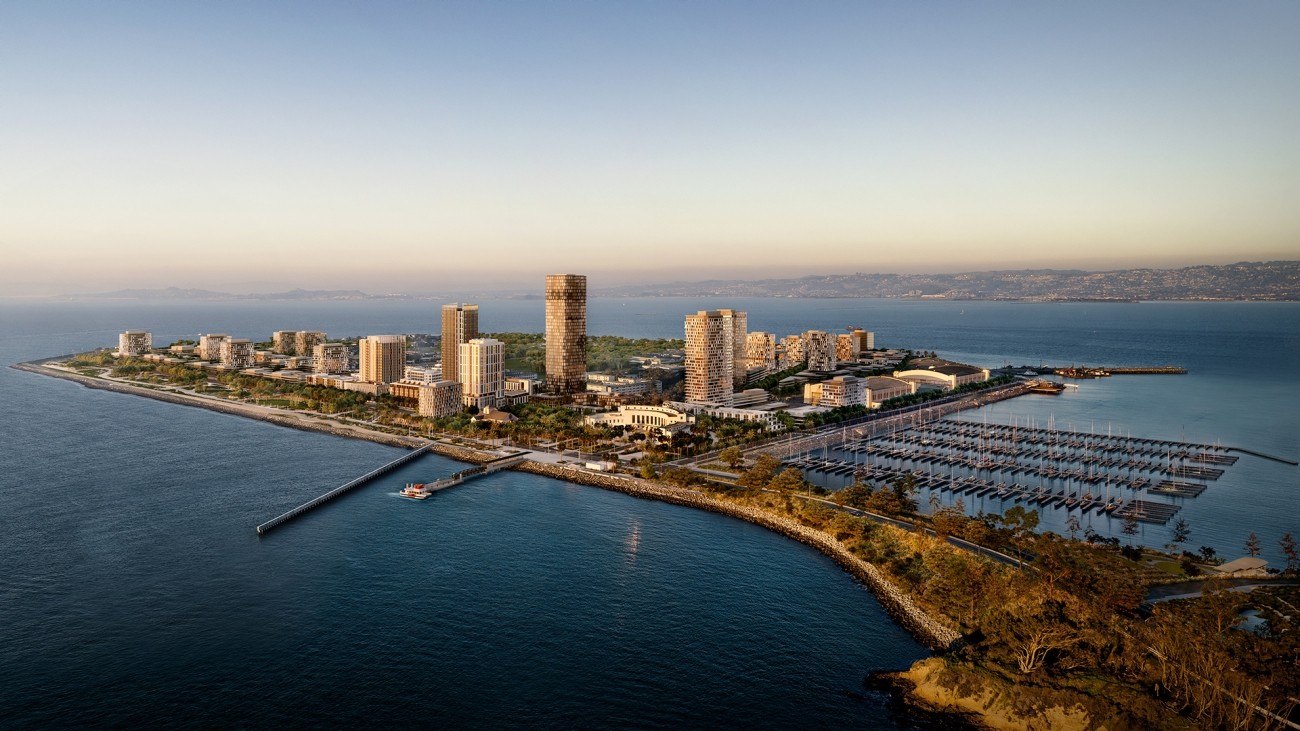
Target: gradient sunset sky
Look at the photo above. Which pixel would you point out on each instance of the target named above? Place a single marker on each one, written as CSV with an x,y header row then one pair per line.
x,y
420,146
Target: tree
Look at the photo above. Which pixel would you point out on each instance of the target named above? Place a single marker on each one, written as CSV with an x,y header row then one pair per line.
x,y
1209,555
761,473
1021,523
647,469
1130,528
1073,525
1252,545
1287,544
1182,531
788,480
732,457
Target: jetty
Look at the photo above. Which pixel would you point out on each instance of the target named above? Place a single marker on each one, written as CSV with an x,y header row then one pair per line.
x,y
346,487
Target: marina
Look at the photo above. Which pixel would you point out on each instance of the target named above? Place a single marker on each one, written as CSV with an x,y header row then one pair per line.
x,y
1055,469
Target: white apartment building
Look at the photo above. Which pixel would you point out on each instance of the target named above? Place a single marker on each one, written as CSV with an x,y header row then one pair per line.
x,y
134,343
210,346
482,372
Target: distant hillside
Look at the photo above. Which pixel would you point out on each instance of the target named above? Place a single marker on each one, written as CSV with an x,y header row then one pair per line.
x,y
1275,280
176,293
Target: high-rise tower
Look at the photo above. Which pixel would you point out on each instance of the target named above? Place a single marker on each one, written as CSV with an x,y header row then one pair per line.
x,y
711,360
459,326
383,358
566,333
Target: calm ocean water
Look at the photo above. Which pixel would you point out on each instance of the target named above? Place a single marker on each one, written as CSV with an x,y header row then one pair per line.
x,y
135,591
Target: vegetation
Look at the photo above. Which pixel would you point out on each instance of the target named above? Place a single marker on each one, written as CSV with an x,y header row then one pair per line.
x,y
527,351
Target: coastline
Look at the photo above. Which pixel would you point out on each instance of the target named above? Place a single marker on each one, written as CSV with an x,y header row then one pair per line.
x,y
902,610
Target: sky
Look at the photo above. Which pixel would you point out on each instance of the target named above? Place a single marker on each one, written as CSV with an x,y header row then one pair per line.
x,y
418,147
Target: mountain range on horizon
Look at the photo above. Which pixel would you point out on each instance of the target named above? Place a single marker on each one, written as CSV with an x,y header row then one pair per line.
x,y
1269,281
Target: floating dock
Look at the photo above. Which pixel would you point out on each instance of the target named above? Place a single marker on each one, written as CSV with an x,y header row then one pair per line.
x,y
1046,467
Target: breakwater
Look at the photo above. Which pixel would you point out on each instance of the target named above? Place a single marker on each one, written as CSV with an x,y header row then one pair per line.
x,y
926,629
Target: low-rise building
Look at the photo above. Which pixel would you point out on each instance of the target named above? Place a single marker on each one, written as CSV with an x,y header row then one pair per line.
x,y
330,358
836,392
605,384
880,389
644,418
947,376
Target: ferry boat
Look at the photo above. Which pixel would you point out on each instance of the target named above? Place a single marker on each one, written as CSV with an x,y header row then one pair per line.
x,y
415,491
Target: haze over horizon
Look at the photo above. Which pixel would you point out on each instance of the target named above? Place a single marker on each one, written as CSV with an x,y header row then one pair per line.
x,y
387,146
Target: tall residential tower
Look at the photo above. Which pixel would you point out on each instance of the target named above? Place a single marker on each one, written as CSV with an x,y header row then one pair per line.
x,y
566,333
459,326
383,358
711,339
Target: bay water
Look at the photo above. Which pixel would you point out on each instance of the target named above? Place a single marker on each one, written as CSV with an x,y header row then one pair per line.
x,y
135,592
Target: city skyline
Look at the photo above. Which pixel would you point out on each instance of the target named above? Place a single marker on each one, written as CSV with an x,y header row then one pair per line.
x,y
320,145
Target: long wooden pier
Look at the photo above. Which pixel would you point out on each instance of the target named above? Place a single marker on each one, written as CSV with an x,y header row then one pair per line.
x,y
279,520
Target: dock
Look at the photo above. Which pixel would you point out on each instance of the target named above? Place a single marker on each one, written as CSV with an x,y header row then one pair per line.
x,y
998,464
487,468
279,520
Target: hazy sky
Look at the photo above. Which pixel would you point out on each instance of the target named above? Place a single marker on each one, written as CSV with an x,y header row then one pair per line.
x,y
406,146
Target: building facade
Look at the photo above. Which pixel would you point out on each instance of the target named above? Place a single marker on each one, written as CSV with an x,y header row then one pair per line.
x,y
482,372
710,357
760,350
459,326
305,341
134,343
330,358
382,358
836,392
792,351
210,346
282,342
237,353
819,349
566,333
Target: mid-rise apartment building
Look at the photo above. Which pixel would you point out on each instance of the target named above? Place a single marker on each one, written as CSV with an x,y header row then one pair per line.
x,y
237,353
134,343
819,349
330,358
439,399
210,346
305,341
482,372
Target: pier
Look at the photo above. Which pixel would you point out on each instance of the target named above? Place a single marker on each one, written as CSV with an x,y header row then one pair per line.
x,y
341,489
423,491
